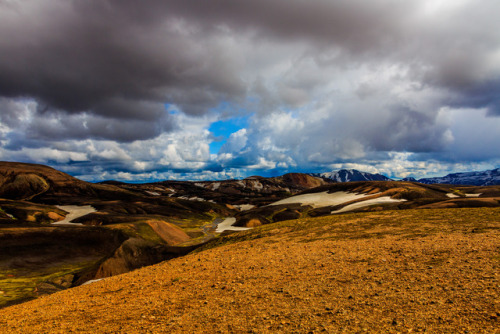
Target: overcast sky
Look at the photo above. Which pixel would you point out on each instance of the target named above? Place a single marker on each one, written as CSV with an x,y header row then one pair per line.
x,y
214,89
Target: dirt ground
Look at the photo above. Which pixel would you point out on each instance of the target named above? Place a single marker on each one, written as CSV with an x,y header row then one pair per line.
x,y
434,271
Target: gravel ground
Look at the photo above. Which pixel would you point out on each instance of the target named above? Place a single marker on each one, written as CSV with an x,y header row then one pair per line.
x,y
430,271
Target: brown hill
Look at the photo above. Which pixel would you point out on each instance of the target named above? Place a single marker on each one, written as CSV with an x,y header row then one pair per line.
x,y
25,181
43,184
387,272
405,195
298,180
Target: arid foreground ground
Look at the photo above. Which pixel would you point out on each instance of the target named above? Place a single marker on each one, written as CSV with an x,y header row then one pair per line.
x,y
431,271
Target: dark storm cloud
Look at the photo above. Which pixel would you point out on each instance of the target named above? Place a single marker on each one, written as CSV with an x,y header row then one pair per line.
x,y
407,130
107,59
82,55
76,55
82,126
486,95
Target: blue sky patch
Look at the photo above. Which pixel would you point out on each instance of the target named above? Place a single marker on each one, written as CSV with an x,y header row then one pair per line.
x,y
223,129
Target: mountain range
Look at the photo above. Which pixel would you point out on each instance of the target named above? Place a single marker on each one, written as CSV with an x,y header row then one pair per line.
x,y
483,178
351,175
476,178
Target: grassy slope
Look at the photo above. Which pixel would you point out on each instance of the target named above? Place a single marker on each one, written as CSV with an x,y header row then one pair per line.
x,y
392,271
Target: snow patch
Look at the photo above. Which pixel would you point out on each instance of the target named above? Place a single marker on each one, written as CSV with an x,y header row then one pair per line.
x,y
227,225
154,193
75,211
368,202
244,207
451,195
93,281
257,185
193,198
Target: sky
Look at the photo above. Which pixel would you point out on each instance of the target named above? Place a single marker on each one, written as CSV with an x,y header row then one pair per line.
x,y
216,89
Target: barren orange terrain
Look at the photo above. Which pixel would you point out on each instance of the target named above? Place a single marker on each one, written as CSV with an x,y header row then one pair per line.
x,y
433,271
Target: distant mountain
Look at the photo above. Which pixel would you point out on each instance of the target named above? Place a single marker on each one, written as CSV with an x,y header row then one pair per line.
x,y
409,179
351,175
483,178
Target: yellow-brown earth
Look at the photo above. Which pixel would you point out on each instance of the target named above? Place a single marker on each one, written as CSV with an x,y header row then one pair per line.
x,y
407,271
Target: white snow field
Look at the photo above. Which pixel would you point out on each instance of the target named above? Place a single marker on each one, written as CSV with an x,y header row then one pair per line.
x,y
322,199
318,200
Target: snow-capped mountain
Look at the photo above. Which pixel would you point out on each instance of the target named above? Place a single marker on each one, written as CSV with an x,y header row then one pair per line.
x,y
351,175
483,178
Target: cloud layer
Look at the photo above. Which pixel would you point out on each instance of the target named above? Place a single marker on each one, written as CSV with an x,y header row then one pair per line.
x,y
121,89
